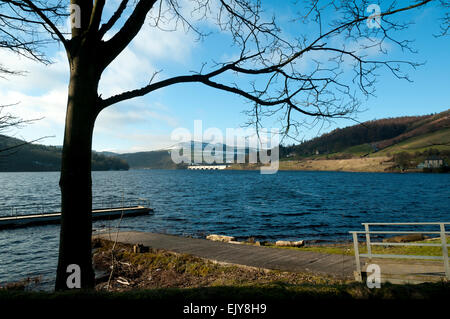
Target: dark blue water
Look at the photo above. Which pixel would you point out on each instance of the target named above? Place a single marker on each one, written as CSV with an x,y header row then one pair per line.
x,y
289,205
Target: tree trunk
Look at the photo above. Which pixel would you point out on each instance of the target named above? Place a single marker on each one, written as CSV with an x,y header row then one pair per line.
x,y
75,181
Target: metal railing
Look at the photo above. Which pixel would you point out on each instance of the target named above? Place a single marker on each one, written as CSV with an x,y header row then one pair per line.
x,y
120,203
367,232
97,204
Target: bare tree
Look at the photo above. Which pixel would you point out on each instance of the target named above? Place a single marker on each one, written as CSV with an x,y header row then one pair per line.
x,y
268,59
16,37
9,121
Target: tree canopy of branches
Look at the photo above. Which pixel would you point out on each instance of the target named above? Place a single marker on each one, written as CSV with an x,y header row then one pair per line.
x,y
267,63
10,121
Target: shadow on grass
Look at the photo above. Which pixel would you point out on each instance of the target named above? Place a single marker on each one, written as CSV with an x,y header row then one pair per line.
x,y
279,301
276,291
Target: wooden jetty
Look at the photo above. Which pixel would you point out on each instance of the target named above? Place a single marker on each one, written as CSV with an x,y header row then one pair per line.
x,y
55,218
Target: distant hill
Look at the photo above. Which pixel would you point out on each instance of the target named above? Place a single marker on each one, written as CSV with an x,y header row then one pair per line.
x,y
380,137
384,137
151,160
36,157
427,135
161,159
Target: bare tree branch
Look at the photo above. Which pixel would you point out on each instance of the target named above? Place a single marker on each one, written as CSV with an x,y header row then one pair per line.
x,y
50,24
321,92
130,29
112,21
96,15
8,121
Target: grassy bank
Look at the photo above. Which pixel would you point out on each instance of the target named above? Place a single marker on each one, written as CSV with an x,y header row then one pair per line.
x,y
274,293
161,269
162,275
348,249
157,269
165,283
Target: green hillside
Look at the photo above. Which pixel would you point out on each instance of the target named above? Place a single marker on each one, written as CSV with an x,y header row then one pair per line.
x,y
439,140
412,134
16,157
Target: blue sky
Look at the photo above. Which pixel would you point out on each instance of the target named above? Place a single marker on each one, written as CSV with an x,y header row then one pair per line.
x,y
146,123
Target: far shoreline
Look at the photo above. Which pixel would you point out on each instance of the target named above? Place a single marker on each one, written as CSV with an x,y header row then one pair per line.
x,y
382,164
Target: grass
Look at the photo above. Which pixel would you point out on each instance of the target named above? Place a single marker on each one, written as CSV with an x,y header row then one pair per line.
x,y
274,292
280,301
161,269
438,140
420,143
347,249
229,294
164,281
358,150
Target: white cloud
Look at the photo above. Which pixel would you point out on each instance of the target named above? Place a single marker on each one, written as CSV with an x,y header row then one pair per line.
x,y
128,72
143,116
37,76
50,106
140,142
152,43
47,109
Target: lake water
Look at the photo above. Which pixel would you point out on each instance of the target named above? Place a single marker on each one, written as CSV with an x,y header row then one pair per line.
x,y
289,205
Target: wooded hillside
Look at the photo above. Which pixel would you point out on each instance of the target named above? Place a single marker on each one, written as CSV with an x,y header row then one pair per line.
x,y
35,157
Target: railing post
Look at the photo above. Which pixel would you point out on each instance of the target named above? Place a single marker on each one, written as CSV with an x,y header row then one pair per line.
x,y
358,276
445,250
369,247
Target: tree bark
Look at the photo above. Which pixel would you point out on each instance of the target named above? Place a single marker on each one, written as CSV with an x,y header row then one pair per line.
x,y
75,181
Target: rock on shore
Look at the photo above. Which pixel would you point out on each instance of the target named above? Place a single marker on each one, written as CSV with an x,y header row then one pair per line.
x,y
283,243
222,238
405,238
